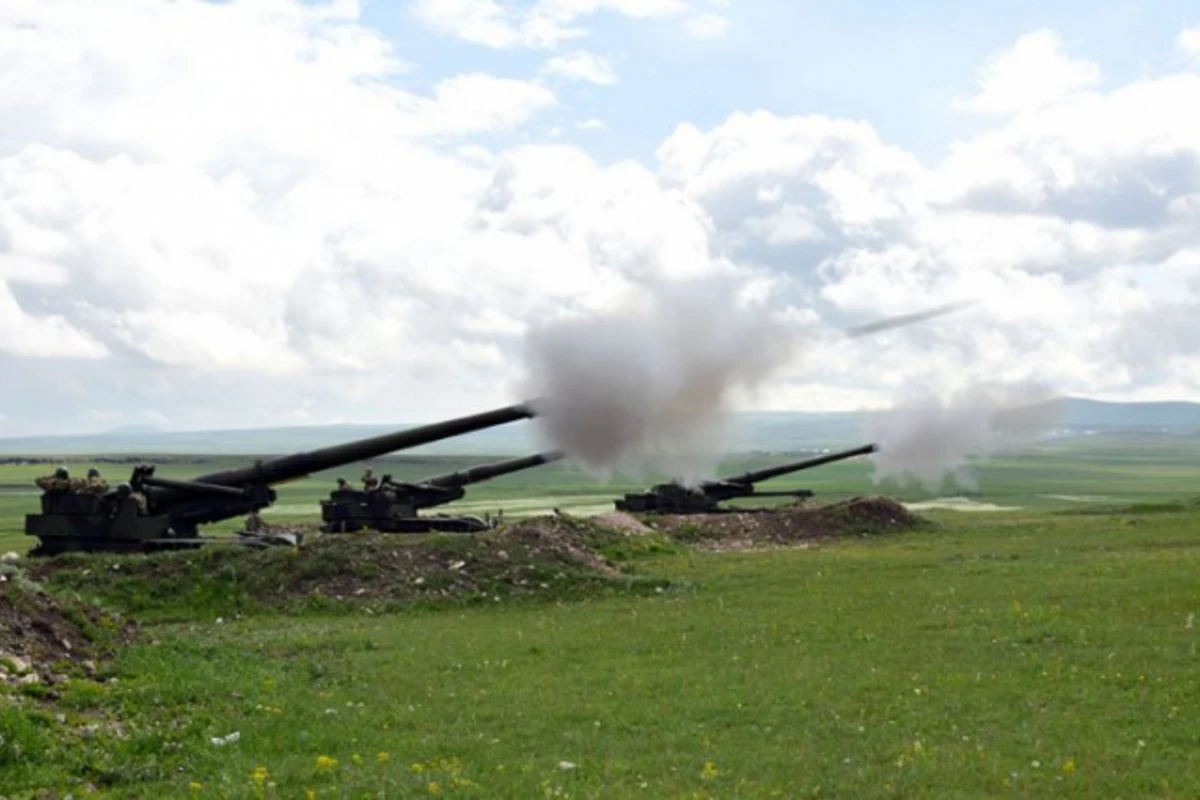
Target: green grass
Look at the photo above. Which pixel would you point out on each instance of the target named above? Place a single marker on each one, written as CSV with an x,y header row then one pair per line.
x,y
1043,652
1027,654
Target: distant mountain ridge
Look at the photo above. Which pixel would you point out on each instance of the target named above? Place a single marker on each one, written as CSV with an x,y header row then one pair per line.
x,y
770,431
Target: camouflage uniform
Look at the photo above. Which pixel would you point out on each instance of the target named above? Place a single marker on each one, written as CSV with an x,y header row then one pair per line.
x,y
95,483
369,480
125,490
388,489
58,481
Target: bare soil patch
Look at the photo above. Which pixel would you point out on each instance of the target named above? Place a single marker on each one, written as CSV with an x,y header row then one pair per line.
x,y
860,516
43,638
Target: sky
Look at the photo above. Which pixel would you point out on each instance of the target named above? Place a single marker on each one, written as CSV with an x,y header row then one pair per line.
x,y
268,212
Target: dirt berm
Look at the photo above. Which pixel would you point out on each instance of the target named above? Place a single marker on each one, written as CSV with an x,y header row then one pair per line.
x,y
861,516
544,555
43,637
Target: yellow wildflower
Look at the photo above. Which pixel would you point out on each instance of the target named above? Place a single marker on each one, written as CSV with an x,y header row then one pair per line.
x,y
381,757
1069,766
709,772
326,762
309,794
357,759
195,786
259,775
417,768
434,787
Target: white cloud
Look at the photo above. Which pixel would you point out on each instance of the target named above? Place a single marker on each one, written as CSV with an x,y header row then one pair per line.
x,y
706,25
1068,222
481,21
547,24
1189,41
787,224
1031,74
582,66
236,212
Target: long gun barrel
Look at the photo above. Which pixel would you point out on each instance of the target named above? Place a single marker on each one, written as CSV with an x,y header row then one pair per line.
x,y
494,470
756,476
297,465
193,487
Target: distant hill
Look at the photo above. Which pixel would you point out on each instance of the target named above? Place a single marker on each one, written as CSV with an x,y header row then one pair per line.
x,y
774,431
1176,417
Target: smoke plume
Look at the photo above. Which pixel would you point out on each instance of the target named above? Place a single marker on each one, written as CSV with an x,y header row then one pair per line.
x,y
925,440
647,385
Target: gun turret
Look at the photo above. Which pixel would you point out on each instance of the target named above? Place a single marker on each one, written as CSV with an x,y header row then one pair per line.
x,y
674,498
393,507
163,512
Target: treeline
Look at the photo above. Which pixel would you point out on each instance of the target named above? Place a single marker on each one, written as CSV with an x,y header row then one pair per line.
x,y
8,460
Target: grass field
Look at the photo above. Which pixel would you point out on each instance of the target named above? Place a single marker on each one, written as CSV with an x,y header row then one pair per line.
x,y
1043,651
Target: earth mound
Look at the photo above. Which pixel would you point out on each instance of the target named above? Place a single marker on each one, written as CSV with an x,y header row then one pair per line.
x,y
859,516
42,637
623,521
544,555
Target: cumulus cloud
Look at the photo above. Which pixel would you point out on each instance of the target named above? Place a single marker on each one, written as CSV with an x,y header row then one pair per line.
x,y
1032,73
547,24
1189,41
248,212
581,65
706,25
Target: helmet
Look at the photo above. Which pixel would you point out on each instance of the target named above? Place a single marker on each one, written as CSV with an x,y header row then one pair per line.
x,y
93,473
124,489
61,472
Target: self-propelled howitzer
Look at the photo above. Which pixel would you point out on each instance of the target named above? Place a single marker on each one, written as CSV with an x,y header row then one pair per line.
x,y
704,498
150,512
394,506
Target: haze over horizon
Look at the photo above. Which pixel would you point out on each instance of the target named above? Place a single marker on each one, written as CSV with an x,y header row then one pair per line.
x,y
261,213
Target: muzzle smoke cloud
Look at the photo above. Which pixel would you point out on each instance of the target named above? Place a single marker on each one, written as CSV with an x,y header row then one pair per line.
x,y
925,440
647,385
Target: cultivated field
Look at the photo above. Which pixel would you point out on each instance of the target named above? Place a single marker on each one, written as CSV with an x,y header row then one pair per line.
x,y
1045,649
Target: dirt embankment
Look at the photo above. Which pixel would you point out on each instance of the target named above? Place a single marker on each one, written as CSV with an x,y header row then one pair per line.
x,y
519,559
554,556
545,555
43,638
861,516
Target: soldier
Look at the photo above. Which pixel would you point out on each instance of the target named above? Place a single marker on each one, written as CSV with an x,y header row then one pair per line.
x,y
58,481
369,480
255,522
342,486
95,482
387,488
125,490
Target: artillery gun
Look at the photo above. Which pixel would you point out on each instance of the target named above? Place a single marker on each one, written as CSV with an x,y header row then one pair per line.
x,y
394,506
151,513
704,498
